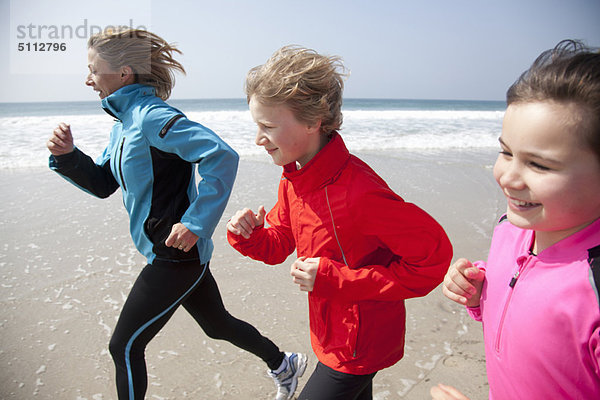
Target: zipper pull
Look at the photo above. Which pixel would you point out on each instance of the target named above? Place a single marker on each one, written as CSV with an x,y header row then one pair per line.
x,y
513,281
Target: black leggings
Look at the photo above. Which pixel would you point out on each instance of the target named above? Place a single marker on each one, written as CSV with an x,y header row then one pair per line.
x,y
158,291
328,384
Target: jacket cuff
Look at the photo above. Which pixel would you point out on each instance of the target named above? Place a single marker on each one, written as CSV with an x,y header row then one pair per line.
x,y
234,239
64,161
321,288
475,313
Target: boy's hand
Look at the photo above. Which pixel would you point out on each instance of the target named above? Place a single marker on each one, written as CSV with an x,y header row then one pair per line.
x,y
304,272
463,283
61,141
443,392
244,221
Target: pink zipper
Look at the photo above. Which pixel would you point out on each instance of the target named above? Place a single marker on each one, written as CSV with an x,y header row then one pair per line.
x,y
511,285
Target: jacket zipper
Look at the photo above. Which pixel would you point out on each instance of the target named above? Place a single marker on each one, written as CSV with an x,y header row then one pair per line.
x,y
511,285
334,230
121,165
343,257
168,125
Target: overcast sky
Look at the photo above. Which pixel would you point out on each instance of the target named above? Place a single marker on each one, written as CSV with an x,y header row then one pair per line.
x,y
418,49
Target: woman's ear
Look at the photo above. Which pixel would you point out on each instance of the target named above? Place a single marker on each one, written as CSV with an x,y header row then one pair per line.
x,y
127,75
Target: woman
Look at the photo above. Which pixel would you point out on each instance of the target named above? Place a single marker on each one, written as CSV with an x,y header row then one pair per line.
x,y
151,156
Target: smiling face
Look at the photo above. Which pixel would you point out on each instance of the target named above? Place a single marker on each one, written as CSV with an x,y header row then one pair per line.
x,y
547,171
286,139
102,78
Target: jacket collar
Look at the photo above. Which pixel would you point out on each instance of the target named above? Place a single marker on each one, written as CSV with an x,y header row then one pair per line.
x,y
322,169
563,250
119,102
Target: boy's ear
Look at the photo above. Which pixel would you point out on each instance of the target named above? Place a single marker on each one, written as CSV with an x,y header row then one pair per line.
x,y
315,128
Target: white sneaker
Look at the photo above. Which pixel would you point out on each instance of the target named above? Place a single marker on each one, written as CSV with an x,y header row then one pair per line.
x,y
287,380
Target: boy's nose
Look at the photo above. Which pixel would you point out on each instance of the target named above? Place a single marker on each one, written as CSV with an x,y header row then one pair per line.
x,y
260,139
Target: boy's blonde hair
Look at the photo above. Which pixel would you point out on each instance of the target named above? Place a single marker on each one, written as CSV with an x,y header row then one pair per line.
x,y
310,84
148,55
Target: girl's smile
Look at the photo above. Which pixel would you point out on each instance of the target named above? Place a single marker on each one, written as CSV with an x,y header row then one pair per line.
x,y
520,205
547,171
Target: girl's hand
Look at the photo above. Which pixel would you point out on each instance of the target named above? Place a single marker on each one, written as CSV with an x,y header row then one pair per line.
x,y
61,141
443,392
244,221
181,238
463,283
304,272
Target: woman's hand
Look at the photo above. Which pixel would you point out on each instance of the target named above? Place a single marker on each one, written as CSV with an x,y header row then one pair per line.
x,y
244,221
304,272
61,141
181,238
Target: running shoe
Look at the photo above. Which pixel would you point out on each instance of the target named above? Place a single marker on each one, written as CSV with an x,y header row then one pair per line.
x,y
287,380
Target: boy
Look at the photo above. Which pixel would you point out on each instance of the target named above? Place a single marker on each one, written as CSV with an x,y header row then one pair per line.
x,y
361,249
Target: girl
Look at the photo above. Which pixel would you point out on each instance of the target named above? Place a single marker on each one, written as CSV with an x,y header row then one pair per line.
x,y
361,249
537,295
152,156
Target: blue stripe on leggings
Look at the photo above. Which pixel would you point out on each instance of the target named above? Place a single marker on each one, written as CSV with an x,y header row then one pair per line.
x,y
147,324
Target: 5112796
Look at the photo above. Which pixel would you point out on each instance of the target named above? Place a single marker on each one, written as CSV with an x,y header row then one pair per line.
x,y
41,46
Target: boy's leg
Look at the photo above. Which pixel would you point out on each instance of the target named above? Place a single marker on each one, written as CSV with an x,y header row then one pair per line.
x,y
328,384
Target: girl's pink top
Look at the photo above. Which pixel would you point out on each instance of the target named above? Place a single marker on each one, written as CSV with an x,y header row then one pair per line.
x,y
541,316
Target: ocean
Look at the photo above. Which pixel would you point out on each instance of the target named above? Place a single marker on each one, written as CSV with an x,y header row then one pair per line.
x,y
370,125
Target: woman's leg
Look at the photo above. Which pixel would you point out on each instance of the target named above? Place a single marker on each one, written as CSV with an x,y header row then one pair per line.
x,y
328,384
158,291
206,306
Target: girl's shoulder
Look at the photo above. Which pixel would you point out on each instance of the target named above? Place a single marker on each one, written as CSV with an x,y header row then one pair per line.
x,y
508,236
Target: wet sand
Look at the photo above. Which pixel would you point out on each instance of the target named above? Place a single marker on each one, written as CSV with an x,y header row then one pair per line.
x,y
67,263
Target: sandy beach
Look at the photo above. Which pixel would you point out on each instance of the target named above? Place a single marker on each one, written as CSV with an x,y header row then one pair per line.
x,y
67,263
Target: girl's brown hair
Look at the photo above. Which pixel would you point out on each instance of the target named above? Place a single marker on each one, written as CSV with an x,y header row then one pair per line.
x,y
569,73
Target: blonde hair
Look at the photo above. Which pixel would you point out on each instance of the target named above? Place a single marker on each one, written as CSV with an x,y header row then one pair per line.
x,y
148,55
310,84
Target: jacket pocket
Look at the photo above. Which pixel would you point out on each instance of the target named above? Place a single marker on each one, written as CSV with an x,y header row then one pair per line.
x,y
353,339
120,164
158,229
336,326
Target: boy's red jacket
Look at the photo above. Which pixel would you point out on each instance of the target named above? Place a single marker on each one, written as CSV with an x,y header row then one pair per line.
x,y
375,251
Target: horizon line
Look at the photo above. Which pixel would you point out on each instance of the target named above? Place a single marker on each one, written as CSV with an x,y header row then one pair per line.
x,y
243,99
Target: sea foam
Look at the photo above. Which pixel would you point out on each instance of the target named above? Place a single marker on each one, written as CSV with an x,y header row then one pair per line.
x,y
25,136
